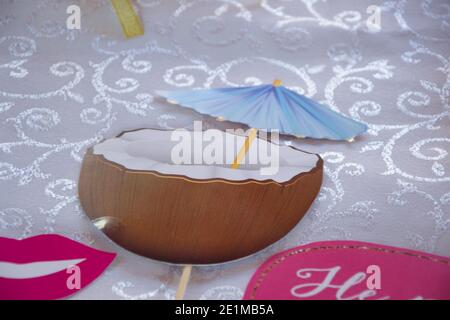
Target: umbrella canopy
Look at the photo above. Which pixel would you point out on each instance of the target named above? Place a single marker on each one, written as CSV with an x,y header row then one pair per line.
x,y
267,107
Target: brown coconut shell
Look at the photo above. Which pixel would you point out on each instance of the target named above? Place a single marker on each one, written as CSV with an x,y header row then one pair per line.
x,y
178,219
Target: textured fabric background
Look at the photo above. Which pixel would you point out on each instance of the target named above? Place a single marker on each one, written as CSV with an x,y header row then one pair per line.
x,y
64,90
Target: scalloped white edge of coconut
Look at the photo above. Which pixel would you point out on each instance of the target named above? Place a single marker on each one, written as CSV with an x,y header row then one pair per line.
x,y
150,150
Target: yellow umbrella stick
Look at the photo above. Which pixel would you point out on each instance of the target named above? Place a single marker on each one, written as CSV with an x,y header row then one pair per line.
x,y
244,149
129,20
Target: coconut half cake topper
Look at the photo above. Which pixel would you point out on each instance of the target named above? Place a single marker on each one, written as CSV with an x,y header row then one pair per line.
x,y
208,213
194,213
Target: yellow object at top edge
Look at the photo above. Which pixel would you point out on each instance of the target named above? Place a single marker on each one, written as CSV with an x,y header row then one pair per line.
x,y
129,20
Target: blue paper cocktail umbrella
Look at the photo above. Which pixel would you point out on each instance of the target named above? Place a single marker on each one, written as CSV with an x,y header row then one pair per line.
x,y
267,107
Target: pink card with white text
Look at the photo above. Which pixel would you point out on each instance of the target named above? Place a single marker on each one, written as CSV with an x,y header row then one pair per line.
x,y
351,270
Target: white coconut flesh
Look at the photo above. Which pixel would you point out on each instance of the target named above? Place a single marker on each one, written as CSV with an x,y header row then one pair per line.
x,y
205,155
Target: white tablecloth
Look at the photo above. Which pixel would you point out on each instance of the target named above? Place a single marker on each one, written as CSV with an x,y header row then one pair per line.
x,y
64,90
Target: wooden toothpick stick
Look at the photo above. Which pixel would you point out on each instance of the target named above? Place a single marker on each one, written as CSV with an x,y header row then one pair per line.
x,y
183,282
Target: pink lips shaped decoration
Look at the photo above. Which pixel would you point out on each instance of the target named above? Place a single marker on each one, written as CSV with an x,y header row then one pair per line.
x,y
48,267
351,270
